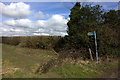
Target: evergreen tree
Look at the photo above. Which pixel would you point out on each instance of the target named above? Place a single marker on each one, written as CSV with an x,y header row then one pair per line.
x,y
82,19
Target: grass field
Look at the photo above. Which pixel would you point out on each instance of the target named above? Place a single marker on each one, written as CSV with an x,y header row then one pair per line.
x,y
23,62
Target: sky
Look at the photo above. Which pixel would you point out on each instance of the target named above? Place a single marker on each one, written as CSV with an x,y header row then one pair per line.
x,y
38,18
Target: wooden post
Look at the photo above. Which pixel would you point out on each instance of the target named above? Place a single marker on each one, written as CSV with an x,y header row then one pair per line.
x,y
90,54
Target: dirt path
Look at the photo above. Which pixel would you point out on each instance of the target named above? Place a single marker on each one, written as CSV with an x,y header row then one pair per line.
x,y
113,73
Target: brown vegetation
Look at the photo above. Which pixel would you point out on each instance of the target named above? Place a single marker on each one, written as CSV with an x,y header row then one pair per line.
x,y
42,42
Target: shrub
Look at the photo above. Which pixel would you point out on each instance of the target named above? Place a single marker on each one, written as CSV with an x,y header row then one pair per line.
x,y
36,42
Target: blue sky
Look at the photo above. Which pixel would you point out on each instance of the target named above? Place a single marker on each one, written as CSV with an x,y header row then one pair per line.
x,y
51,8
61,8
39,18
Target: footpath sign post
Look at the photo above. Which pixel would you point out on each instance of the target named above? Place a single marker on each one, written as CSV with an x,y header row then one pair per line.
x,y
94,34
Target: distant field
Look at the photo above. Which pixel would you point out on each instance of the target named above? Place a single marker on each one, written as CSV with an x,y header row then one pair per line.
x,y
23,62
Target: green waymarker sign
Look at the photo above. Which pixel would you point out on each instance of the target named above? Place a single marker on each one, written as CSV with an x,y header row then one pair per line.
x,y
91,34
94,34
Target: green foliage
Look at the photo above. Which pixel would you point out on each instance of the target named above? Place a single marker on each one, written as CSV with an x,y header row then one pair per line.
x,y
107,37
41,42
84,71
74,71
82,19
112,17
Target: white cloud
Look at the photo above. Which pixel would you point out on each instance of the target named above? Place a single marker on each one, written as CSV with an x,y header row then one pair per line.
x,y
41,15
56,25
15,10
0,18
1,25
40,23
4,31
11,31
19,23
45,34
41,30
10,23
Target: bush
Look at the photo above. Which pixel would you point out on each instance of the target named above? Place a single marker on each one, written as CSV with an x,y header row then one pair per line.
x,y
11,40
36,42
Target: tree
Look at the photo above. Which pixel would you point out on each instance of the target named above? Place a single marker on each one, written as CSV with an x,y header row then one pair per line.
x,y
112,17
87,18
82,19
